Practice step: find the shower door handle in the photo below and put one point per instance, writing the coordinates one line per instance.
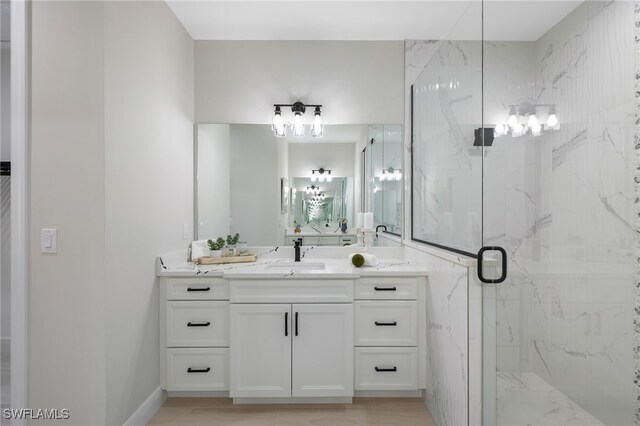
(503, 274)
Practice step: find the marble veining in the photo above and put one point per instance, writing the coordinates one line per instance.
(636, 320)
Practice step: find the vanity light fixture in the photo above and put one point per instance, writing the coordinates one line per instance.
(297, 125)
(320, 176)
(390, 174)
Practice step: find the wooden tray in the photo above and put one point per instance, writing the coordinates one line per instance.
(208, 260)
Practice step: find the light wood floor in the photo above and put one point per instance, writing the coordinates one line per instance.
(363, 411)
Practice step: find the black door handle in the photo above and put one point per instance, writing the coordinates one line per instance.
(391, 324)
(503, 275)
(296, 323)
(198, 324)
(386, 369)
(286, 323)
(384, 288)
(198, 370)
(199, 289)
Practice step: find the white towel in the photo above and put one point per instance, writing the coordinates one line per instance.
(198, 249)
(369, 259)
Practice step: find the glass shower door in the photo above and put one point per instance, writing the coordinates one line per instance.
(558, 191)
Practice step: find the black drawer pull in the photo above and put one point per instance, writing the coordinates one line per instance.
(391, 324)
(384, 288)
(198, 370)
(199, 289)
(386, 369)
(198, 324)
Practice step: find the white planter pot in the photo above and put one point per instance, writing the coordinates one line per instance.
(215, 253)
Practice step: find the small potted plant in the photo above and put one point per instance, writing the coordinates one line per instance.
(231, 244)
(215, 247)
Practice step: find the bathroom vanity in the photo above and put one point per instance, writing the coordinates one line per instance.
(276, 330)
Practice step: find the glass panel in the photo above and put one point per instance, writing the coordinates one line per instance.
(446, 164)
(558, 196)
(386, 163)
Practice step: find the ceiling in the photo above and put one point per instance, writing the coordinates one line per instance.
(369, 20)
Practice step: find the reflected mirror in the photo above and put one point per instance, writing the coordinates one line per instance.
(251, 182)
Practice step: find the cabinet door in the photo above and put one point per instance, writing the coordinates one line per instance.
(260, 350)
(322, 350)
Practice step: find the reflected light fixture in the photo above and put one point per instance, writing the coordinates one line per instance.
(320, 176)
(313, 189)
(390, 174)
(297, 123)
(523, 120)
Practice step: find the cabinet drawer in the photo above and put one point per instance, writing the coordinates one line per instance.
(387, 323)
(197, 369)
(387, 288)
(197, 289)
(197, 323)
(386, 369)
(348, 240)
(292, 291)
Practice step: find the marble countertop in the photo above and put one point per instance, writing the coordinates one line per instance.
(278, 268)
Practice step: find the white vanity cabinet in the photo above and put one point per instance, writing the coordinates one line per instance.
(297, 350)
(291, 338)
(305, 337)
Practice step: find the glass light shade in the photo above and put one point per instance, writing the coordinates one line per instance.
(398, 175)
(536, 130)
(383, 176)
(278, 127)
(512, 121)
(552, 121)
(316, 129)
(297, 126)
(329, 177)
(500, 130)
(314, 176)
(518, 130)
(533, 121)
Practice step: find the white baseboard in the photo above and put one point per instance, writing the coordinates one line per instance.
(147, 409)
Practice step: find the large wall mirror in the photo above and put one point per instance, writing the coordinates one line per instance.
(251, 182)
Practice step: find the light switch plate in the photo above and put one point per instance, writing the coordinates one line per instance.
(49, 240)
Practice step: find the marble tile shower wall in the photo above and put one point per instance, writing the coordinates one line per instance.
(561, 204)
(578, 303)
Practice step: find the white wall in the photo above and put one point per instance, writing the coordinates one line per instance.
(337, 157)
(111, 168)
(149, 112)
(255, 185)
(5, 155)
(66, 341)
(356, 82)
(214, 180)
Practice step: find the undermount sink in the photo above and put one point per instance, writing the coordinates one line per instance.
(301, 266)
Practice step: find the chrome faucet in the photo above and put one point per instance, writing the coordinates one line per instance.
(296, 246)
